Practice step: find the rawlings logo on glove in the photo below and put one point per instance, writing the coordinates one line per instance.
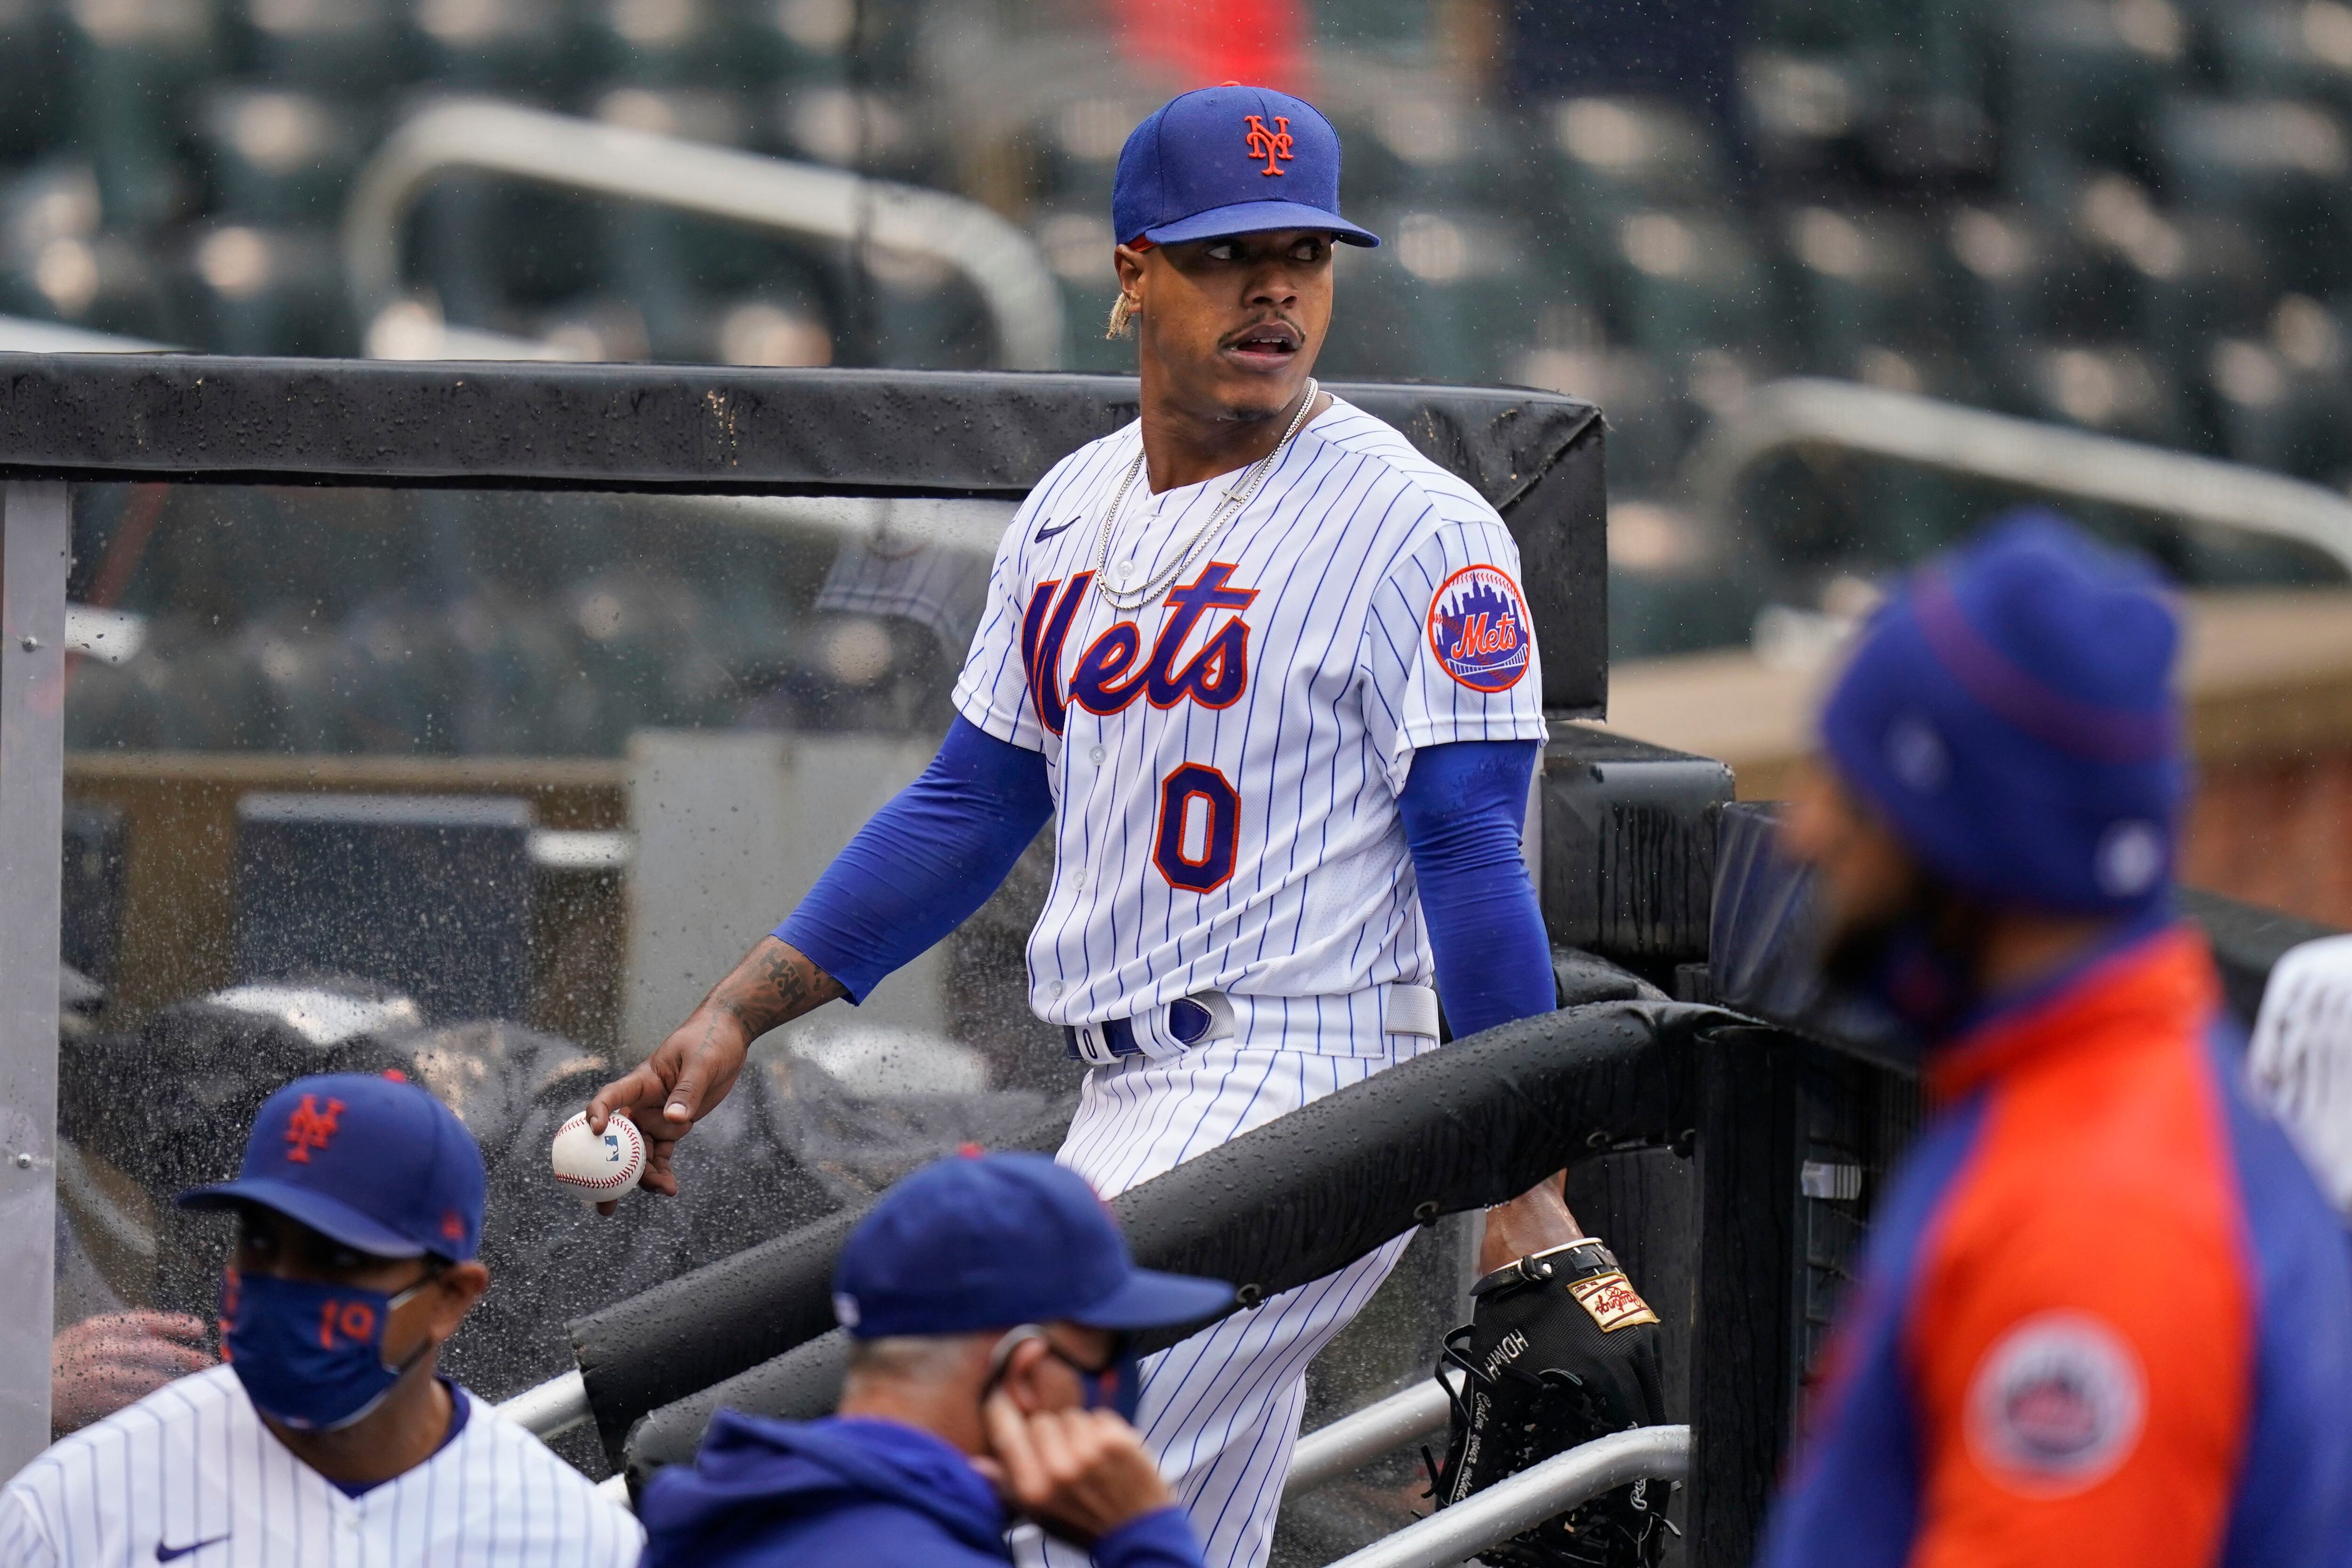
(1612, 1301)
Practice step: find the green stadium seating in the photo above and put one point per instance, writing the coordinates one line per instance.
(274, 155)
(525, 48)
(31, 45)
(2086, 81)
(1859, 279)
(260, 290)
(1686, 279)
(2277, 167)
(354, 51)
(2286, 48)
(134, 67)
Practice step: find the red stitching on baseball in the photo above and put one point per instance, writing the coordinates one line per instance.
(600, 1183)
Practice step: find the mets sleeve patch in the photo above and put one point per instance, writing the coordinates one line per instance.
(2056, 1405)
(1478, 628)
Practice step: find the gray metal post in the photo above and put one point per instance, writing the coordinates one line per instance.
(36, 541)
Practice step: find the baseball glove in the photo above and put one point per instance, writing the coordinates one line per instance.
(1559, 1349)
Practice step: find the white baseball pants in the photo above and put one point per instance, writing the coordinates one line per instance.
(1221, 1410)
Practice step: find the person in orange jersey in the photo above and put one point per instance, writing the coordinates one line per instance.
(2104, 1316)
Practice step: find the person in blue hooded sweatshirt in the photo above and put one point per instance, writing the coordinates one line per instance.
(992, 1306)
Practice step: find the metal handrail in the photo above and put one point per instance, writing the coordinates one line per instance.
(1524, 1501)
(1003, 264)
(1488, 1519)
(556, 1406)
(1378, 1428)
(560, 1403)
(2049, 459)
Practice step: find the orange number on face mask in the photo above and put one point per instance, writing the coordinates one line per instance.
(354, 1320)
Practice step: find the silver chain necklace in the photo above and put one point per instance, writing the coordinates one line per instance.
(1130, 596)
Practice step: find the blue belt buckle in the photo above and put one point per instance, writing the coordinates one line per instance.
(1188, 1021)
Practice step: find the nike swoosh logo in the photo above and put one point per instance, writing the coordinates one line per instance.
(1046, 534)
(173, 1553)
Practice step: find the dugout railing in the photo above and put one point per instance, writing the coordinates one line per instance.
(1847, 419)
(427, 715)
(481, 137)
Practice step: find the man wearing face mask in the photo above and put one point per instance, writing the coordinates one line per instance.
(2104, 1315)
(991, 1305)
(329, 1438)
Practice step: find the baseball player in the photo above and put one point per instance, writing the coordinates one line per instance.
(1269, 673)
(329, 1438)
(2104, 1315)
(2300, 1058)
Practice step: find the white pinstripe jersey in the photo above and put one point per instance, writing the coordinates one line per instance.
(1225, 761)
(190, 1475)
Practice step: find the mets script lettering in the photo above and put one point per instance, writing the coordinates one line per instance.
(1113, 672)
(1487, 631)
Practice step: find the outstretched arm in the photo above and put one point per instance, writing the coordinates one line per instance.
(913, 874)
(1465, 806)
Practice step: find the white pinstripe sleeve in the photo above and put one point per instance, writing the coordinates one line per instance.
(993, 692)
(1449, 649)
(24, 1542)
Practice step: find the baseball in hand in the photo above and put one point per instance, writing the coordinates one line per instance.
(598, 1168)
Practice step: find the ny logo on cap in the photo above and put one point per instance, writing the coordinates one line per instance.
(309, 1128)
(1267, 144)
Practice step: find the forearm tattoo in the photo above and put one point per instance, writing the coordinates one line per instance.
(774, 984)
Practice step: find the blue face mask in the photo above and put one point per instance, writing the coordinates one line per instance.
(1117, 1387)
(310, 1354)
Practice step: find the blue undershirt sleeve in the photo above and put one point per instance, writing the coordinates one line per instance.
(1465, 806)
(924, 862)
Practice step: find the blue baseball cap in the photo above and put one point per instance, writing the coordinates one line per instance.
(989, 1241)
(2011, 712)
(374, 1162)
(1230, 160)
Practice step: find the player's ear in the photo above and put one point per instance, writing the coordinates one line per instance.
(1021, 1381)
(458, 1287)
(1130, 265)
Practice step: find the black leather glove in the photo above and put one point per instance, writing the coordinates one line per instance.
(1559, 1349)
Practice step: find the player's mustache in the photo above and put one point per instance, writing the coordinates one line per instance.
(1276, 325)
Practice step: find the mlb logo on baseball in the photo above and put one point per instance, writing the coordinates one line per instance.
(599, 1166)
(1478, 628)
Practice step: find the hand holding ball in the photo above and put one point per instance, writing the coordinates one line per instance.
(598, 1168)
